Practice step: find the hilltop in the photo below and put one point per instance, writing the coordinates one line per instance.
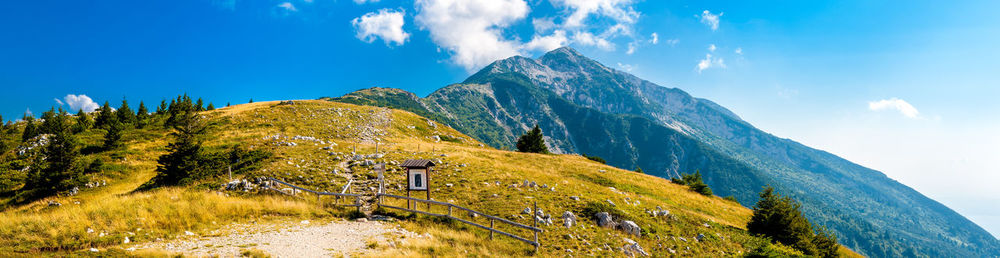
(321, 145)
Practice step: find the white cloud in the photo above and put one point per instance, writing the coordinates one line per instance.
(472, 29)
(588, 39)
(619, 10)
(711, 47)
(631, 48)
(672, 42)
(365, 1)
(77, 102)
(547, 43)
(384, 24)
(543, 25)
(896, 104)
(288, 6)
(712, 20)
(57, 101)
(738, 51)
(626, 67)
(654, 38)
(710, 62)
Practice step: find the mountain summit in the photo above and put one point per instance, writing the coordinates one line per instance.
(587, 108)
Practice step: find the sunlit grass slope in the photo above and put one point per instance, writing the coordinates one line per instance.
(323, 158)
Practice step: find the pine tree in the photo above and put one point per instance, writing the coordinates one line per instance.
(59, 171)
(532, 141)
(125, 114)
(184, 157)
(113, 138)
(162, 108)
(251, 100)
(141, 116)
(30, 130)
(199, 105)
(83, 122)
(639, 170)
(47, 122)
(826, 243)
(780, 218)
(227, 104)
(3, 138)
(210, 106)
(104, 116)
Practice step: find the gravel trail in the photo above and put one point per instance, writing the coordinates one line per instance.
(288, 239)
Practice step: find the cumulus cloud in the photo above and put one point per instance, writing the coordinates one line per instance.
(385, 24)
(710, 62)
(626, 67)
(471, 30)
(672, 42)
(631, 48)
(653, 38)
(619, 10)
(288, 6)
(712, 20)
(738, 51)
(547, 43)
(711, 47)
(77, 102)
(588, 39)
(543, 25)
(897, 104)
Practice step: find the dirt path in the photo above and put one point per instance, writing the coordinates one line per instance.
(289, 239)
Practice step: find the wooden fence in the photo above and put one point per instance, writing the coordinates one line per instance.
(342, 194)
(451, 207)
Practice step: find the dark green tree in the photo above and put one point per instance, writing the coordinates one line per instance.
(59, 171)
(113, 138)
(199, 106)
(141, 116)
(210, 106)
(227, 104)
(639, 170)
(162, 108)
(251, 100)
(532, 141)
(48, 122)
(779, 217)
(184, 153)
(104, 116)
(125, 114)
(826, 243)
(694, 182)
(30, 129)
(595, 158)
(83, 122)
(3, 138)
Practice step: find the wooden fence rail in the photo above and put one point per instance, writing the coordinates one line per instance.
(357, 197)
(449, 215)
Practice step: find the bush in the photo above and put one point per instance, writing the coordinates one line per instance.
(595, 158)
(694, 182)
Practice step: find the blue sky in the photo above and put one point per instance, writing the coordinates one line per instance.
(907, 88)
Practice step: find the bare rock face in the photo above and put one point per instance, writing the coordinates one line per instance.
(632, 248)
(604, 220)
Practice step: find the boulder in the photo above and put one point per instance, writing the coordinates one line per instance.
(630, 227)
(604, 220)
(569, 219)
(632, 248)
(700, 237)
(526, 211)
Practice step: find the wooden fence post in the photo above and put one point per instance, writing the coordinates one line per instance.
(449, 210)
(535, 224)
(491, 227)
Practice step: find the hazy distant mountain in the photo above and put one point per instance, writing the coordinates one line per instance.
(585, 107)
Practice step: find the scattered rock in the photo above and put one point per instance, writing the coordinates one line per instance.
(361, 220)
(305, 222)
(612, 203)
(630, 227)
(189, 233)
(449, 185)
(54, 203)
(94, 250)
(632, 248)
(700, 237)
(569, 219)
(126, 241)
(526, 211)
(604, 220)
(575, 198)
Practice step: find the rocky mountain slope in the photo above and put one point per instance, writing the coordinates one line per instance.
(585, 107)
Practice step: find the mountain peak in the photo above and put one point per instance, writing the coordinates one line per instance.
(565, 51)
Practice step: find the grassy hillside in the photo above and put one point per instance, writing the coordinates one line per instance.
(321, 158)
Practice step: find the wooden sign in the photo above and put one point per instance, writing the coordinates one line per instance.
(418, 176)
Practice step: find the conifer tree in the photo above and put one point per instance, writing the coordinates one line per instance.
(532, 141)
(251, 100)
(826, 243)
(104, 116)
(210, 106)
(125, 114)
(779, 217)
(83, 122)
(113, 138)
(162, 108)
(59, 171)
(47, 121)
(141, 116)
(227, 104)
(184, 153)
(30, 130)
(199, 106)
(3, 138)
